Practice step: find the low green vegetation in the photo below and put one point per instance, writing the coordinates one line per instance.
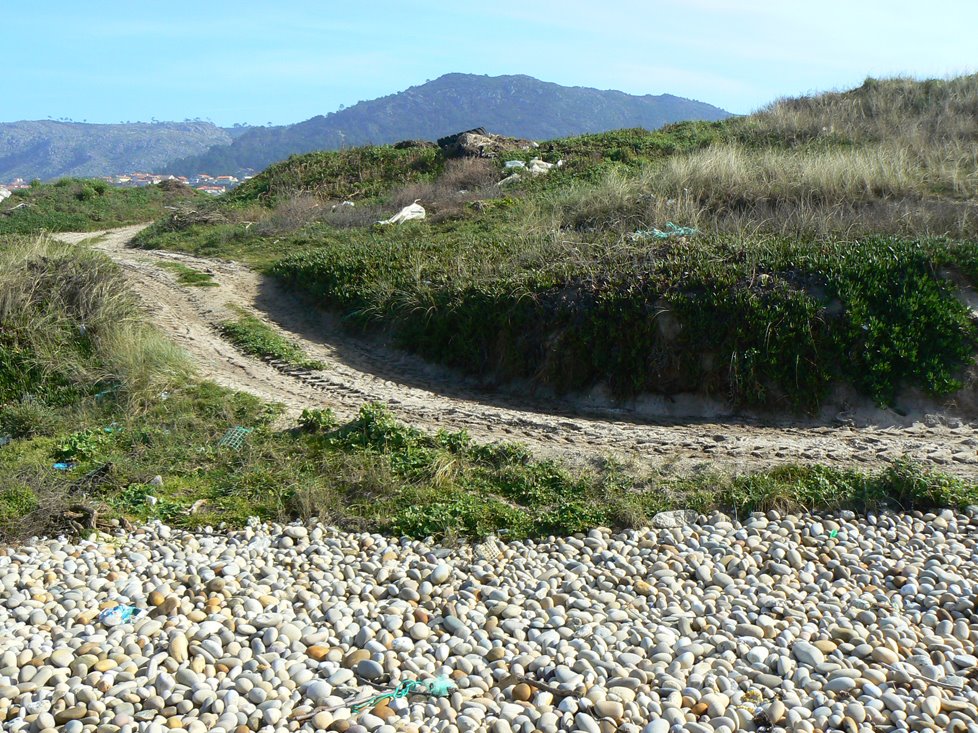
(80, 205)
(257, 338)
(189, 276)
(374, 473)
(97, 405)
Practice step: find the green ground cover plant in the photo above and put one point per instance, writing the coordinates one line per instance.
(769, 321)
(189, 276)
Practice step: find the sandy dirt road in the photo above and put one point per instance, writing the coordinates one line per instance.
(675, 435)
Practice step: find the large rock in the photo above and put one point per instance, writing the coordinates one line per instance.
(478, 143)
(673, 519)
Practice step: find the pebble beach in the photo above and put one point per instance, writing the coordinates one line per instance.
(701, 624)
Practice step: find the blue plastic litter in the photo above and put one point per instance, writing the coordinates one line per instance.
(106, 392)
(64, 465)
(119, 615)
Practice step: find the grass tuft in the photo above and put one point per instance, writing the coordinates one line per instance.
(189, 276)
(255, 337)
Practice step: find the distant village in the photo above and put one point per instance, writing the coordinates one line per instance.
(213, 185)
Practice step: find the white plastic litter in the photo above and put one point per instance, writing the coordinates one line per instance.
(514, 164)
(408, 213)
(510, 179)
(348, 203)
(4, 193)
(538, 166)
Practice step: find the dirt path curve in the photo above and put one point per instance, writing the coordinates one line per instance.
(362, 370)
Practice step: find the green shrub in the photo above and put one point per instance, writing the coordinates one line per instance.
(902, 324)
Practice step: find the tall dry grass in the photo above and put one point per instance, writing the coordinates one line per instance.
(902, 109)
(894, 156)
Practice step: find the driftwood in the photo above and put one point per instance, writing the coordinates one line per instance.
(81, 517)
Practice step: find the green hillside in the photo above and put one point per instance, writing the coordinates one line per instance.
(78, 205)
(831, 233)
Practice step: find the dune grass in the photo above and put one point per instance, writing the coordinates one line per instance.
(70, 328)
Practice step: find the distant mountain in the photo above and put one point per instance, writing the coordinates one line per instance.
(47, 149)
(519, 106)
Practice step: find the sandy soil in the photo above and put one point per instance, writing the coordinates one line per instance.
(679, 434)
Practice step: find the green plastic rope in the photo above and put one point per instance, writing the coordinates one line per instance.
(670, 231)
(440, 687)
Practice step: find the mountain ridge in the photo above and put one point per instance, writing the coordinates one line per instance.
(47, 149)
(514, 105)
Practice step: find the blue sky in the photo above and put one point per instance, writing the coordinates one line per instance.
(285, 61)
